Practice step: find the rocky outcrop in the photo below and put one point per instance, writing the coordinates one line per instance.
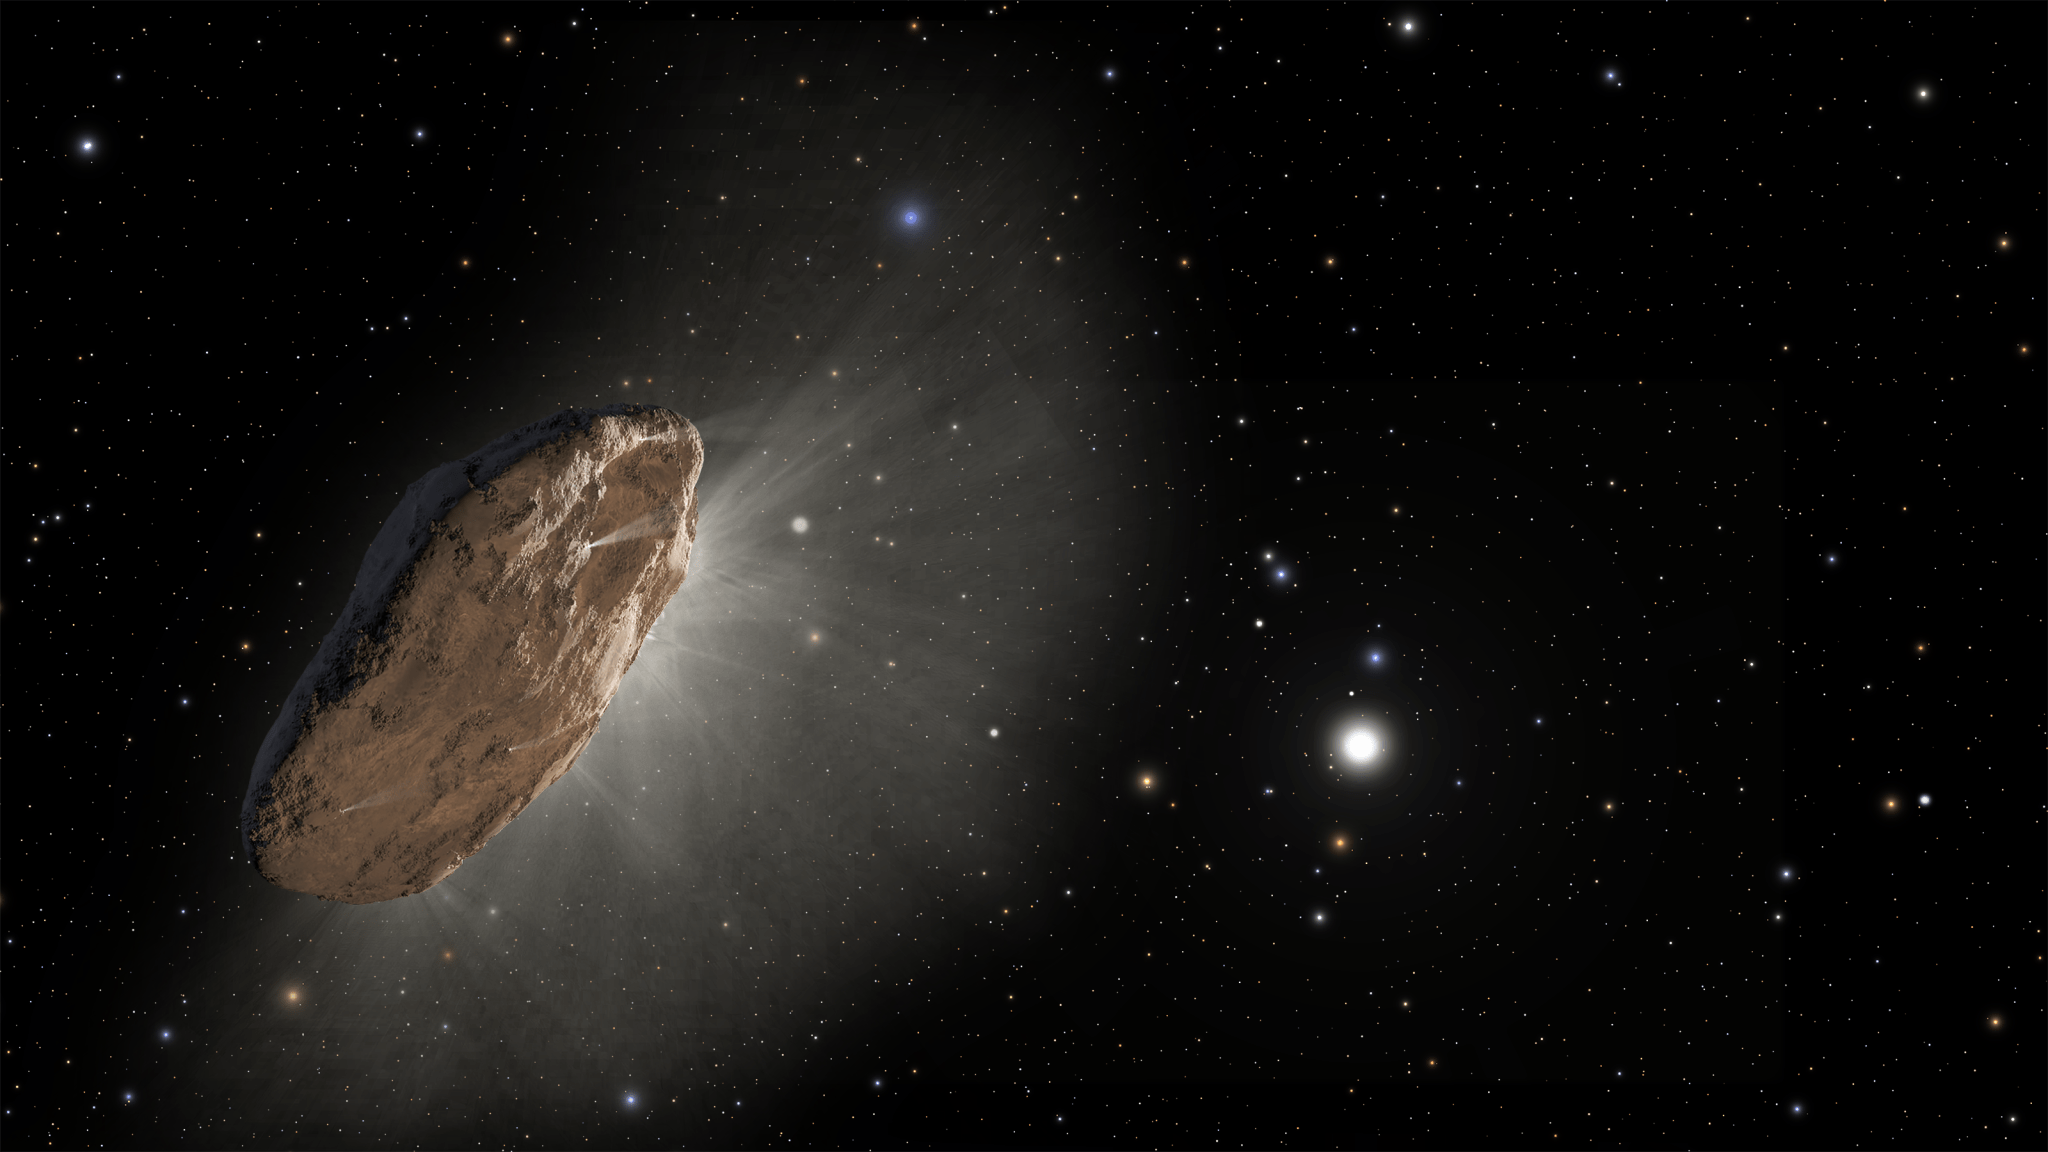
(492, 620)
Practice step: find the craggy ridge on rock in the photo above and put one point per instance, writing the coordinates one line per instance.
(493, 618)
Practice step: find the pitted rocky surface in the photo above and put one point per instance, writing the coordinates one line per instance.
(492, 620)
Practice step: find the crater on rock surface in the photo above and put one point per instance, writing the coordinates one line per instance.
(492, 620)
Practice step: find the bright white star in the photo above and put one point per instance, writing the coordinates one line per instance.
(1361, 746)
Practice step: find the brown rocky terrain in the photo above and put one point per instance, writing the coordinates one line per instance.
(492, 620)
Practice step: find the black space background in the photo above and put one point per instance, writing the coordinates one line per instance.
(1697, 417)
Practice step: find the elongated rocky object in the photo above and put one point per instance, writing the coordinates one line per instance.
(492, 621)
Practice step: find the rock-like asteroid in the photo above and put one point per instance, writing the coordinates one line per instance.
(492, 620)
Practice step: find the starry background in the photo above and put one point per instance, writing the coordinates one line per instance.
(1620, 412)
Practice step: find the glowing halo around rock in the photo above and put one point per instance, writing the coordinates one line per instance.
(1361, 746)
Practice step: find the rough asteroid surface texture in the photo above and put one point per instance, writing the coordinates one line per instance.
(492, 620)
